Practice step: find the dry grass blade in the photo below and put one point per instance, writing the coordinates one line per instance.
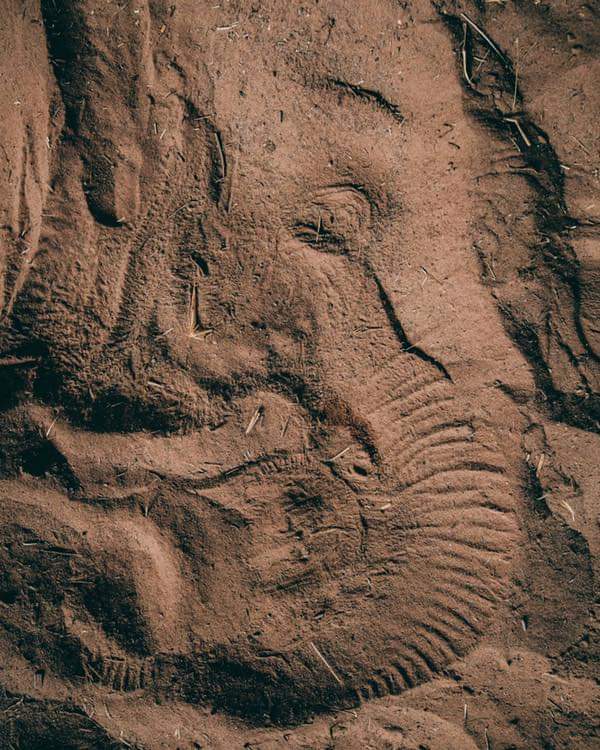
(49, 430)
(519, 127)
(484, 36)
(260, 410)
(569, 508)
(326, 663)
(338, 455)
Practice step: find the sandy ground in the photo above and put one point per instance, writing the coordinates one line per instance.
(299, 339)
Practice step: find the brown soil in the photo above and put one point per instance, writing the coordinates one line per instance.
(299, 374)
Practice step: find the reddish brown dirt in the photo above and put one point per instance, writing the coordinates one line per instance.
(299, 373)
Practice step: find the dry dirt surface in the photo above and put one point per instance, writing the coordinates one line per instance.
(299, 374)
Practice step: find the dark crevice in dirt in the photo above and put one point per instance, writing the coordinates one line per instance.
(99, 180)
(373, 97)
(318, 237)
(132, 405)
(219, 165)
(535, 492)
(322, 405)
(253, 692)
(15, 382)
(43, 460)
(553, 221)
(51, 725)
(65, 29)
(401, 335)
(559, 406)
(27, 449)
(70, 53)
(219, 172)
(571, 356)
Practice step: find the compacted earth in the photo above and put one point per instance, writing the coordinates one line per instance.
(299, 374)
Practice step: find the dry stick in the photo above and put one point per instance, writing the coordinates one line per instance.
(255, 417)
(481, 60)
(49, 430)
(187, 204)
(326, 663)
(484, 36)
(203, 333)
(231, 183)
(428, 273)
(154, 384)
(519, 127)
(286, 425)
(524, 625)
(540, 464)
(569, 508)
(464, 55)
(338, 455)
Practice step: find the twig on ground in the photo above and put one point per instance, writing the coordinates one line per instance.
(519, 127)
(326, 663)
(484, 36)
(338, 455)
(259, 412)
